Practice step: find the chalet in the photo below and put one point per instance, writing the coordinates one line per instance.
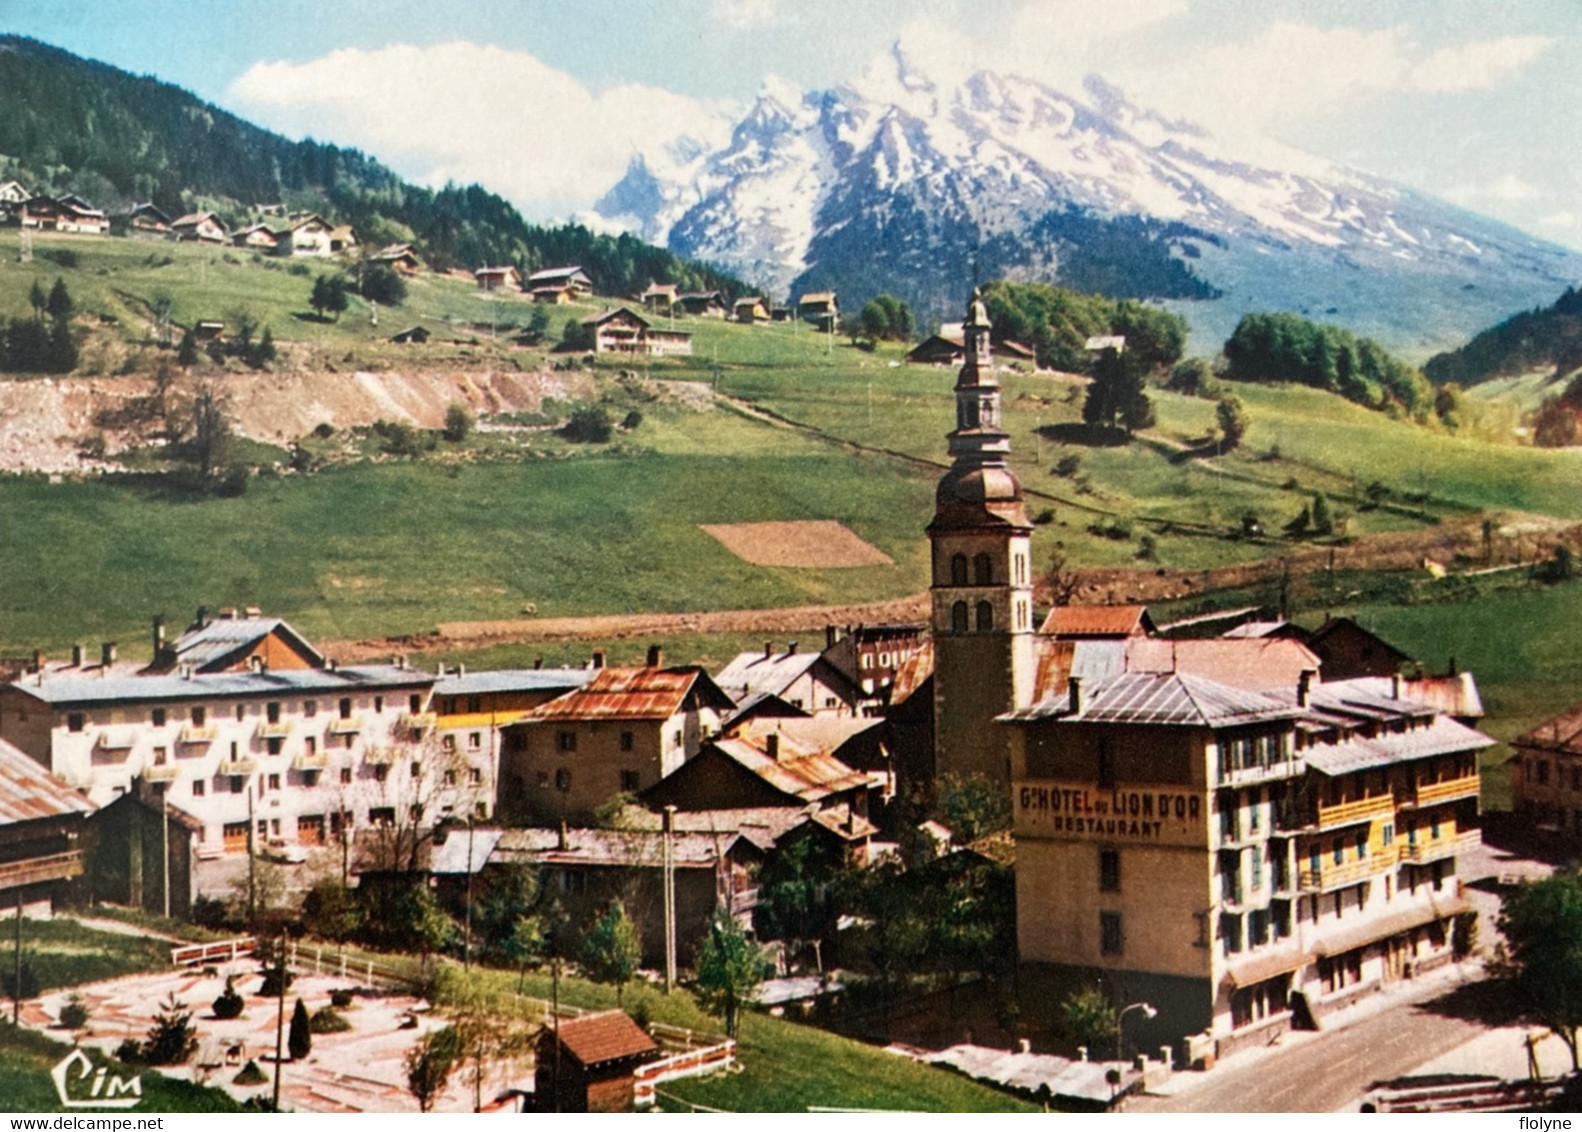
(1098, 343)
(237, 640)
(418, 335)
(781, 313)
(201, 227)
(945, 349)
(498, 278)
(659, 297)
(749, 310)
(131, 859)
(308, 235)
(12, 192)
(256, 236)
(1347, 649)
(586, 1064)
(621, 732)
(143, 221)
(584, 869)
(343, 240)
(764, 766)
(819, 308)
(705, 304)
(620, 331)
(1546, 776)
(399, 257)
(41, 834)
(572, 278)
(556, 296)
(870, 655)
(69, 213)
(208, 329)
(803, 679)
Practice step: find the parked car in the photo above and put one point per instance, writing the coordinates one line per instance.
(285, 852)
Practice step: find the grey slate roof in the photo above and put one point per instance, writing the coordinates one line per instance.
(512, 680)
(1166, 699)
(224, 636)
(60, 691)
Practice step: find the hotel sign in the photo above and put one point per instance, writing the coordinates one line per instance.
(1077, 811)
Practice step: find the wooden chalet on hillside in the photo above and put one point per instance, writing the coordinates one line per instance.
(586, 1064)
(621, 331)
(41, 834)
(703, 304)
(571, 281)
(505, 278)
(69, 213)
(399, 257)
(200, 227)
(144, 221)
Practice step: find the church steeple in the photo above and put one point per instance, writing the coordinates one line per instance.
(982, 575)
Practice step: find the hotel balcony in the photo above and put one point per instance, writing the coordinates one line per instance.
(196, 733)
(244, 765)
(1256, 775)
(1329, 877)
(351, 725)
(1427, 850)
(274, 730)
(165, 772)
(1379, 808)
(117, 739)
(1433, 793)
(33, 870)
(320, 761)
(418, 724)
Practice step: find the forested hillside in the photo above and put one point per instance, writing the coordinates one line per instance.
(1057, 323)
(1536, 339)
(73, 125)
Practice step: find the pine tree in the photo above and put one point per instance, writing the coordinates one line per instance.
(59, 304)
(187, 353)
(1323, 521)
(300, 1040)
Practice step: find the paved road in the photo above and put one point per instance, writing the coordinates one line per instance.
(1327, 1071)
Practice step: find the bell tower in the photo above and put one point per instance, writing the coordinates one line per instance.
(982, 586)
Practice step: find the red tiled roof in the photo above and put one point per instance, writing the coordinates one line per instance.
(628, 693)
(31, 792)
(609, 1035)
(1097, 621)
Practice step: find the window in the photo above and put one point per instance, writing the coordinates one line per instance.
(417, 769)
(475, 776)
(1313, 860)
(1338, 851)
(379, 704)
(866, 661)
(159, 717)
(347, 740)
(958, 617)
(381, 816)
(272, 744)
(1230, 931)
(474, 704)
(414, 703)
(1109, 870)
(161, 754)
(1433, 828)
(480, 809)
(199, 716)
(346, 707)
(543, 780)
(346, 776)
(310, 746)
(448, 742)
(241, 712)
(76, 721)
(985, 617)
(272, 712)
(475, 740)
(631, 782)
(1254, 811)
(983, 570)
(1109, 933)
(1021, 569)
(310, 708)
(627, 741)
(958, 570)
(274, 782)
(566, 740)
(381, 771)
(1362, 844)
(1255, 868)
(198, 788)
(563, 779)
(450, 778)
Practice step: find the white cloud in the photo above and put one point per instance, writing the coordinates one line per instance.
(470, 112)
(1507, 188)
(743, 15)
(1477, 66)
(1562, 223)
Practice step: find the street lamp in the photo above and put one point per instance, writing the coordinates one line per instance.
(1148, 1012)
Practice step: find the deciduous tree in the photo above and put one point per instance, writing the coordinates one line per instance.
(611, 950)
(730, 966)
(1542, 926)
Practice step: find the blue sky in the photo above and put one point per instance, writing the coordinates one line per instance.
(1474, 100)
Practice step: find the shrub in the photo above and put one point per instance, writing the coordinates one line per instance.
(1069, 465)
(632, 419)
(173, 1037)
(250, 1075)
(74, 1015)
(324, 431)
(459, 422)
(328, 1021)
(25, 987)
(340, 999)
(589, 424)
(270, 987)
(1044, 517)
(229, 1004)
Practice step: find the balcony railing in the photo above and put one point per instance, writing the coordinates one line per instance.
(164, 772)
(1432, 793)
(1253, 775)
(274, 730)
(319, 761)
(744, 900)
(351, 725)
(1429, 849)
(1330, 876)
(116, 739)
(243, 765)
(418, 724)
(199, 733)
(1354, 813)
(54, 866)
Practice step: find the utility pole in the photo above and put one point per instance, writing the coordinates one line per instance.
(252, 859)
(669, 885)
(280, 1012)
(164, 843)
(554, 1015)
(16, 988)
(466, 944)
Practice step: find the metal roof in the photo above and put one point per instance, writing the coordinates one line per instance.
(1358, 752)
(1456, 694)
(1167, 699)
(809, 775)
(631, 693)
(223, 637)
(512, 680)
(1097, 621)
(1263, 664)
(31, 792)
(641, 848)
(61, 691)
(454, 853)
(758, 671)
(1562, 734)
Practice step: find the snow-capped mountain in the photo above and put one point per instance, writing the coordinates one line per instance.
(898, 182)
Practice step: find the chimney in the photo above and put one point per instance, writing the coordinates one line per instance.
(790, 648)
(107, 653)
(830, 636)
(159, 636)
(1075, 703)
(1304, 687)
(202, 619)
(38, 660)
(1395, 686)
(333, 664)
(538, 662)
(669, 824)
(1453, 671)
(598, 658)
(461, 670)
(77, 652)
(656, 656)
(772, 744)
(564, 838)
(1024, 1046)
(252, 611)
(769, 649)
(227, 613)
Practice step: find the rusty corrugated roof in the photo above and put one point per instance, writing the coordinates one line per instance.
(29, 792)
(802, 772)
(1097, 621)
(1261, 664)
(1562, 734)
(632, 693)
